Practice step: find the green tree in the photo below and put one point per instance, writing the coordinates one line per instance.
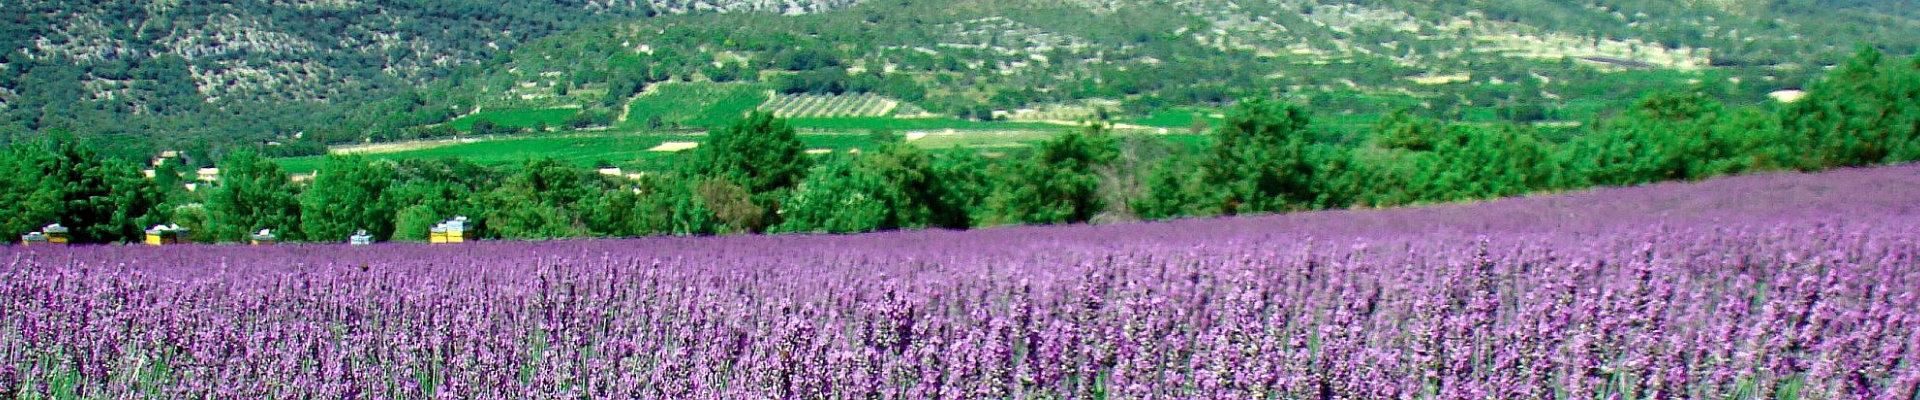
(1402, 130)
(194, 218)
(537, 201)
(414, 223)
(166, 177)
(253, 193)
(1666, 136)
(613, 213)
(1479, 163)
(1058, 184)
(762, 156)
(1173, 190)
(893, 186)
(1863, 112)
(62, 181)
(348, 194)
(1259, 160)
(968, 180)
(844, 196)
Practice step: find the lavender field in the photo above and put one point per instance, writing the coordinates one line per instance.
(1758, 287)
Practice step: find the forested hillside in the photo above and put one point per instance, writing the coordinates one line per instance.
(140, 76)
(148, 74)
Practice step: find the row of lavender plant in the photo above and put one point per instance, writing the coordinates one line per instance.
(1696, 302)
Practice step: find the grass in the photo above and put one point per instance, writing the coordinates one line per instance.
(983, 140)
(1180, 118)
(694, 104)
(906, 124)
(516, 117)
(628, 149)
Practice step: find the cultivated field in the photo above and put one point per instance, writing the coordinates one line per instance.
(904, 124)
(818, 106)
(628, 150)
(693, 104)
(640, 151)
(1773, 286)
(519, 118)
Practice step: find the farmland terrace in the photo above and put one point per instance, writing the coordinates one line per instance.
(1775, 286)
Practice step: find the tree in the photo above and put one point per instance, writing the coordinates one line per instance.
(166, 177)
(1259, 159)
(1173, 190)
(194, 218)
(892, 187)
(538, 201)
(1863, 112)
(762, 156)
(414, 223)
(673, 206)
(1058, 183)
(1666, 136)
(62, 181)
(433, 190)
(733, 206)
(968, 181)
(348, 194)
(253, 193)
(484, 127)
(843, 196)
(612, 213)
(1402, 130)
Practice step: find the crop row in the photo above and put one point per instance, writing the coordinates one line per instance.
(828, 106)
(1754, 287)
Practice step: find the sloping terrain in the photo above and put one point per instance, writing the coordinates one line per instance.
(260, 69)
(1016, 57)
(346, 69)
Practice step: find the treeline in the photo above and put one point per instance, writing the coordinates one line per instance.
(754, 176)
(1865, 112)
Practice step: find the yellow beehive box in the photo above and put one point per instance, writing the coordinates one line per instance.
(56, 234)
(450, 231)
(161, 235)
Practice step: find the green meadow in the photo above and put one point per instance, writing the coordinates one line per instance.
(516, 117)
(694, 104)
(630, 150)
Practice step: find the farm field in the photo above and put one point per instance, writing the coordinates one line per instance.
(518, 118)
(1179, 118)
(819, 106)
(906, 124)
(629, 150)
(1795, 286)
(585, 150)
(693, 104)
(623, 149)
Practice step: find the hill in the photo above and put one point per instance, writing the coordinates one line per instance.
(307, 73)
(233, 72)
